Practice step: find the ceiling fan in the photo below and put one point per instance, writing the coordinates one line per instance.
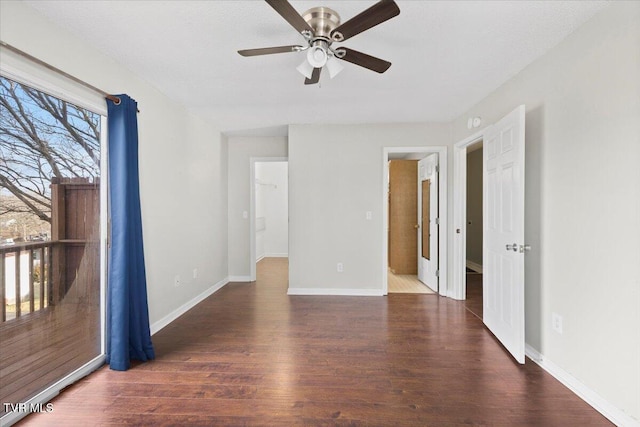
(321, 27)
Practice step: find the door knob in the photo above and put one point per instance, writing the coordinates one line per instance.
(524, 248)
(416, 226)
(513, 247)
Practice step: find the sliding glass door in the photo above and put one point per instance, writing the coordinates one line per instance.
(50, 241)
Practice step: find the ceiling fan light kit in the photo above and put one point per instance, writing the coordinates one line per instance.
(317, 55)
(334, 66)
(320, 26)
(305, 69)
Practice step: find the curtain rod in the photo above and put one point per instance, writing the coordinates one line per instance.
(113, 98)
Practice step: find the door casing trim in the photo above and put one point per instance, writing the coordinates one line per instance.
(459, 239)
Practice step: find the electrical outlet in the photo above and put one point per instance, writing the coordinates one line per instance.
(195, 273)
(340, 267)
(176, 281)
(556, 322)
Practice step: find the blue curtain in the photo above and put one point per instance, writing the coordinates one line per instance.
(128, 335)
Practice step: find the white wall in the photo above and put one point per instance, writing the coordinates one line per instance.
(583, 200)
(335, 177)
(272, 193)
(241, 149)
(183, 176)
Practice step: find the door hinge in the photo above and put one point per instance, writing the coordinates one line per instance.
(437, 221)
(437, 273)
(437, 168)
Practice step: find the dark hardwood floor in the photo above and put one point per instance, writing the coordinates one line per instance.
(251, 355)
(474, 294)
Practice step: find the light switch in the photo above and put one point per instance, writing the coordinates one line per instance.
(368, 215)
(245, 214)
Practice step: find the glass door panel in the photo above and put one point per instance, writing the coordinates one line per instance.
(50, 251)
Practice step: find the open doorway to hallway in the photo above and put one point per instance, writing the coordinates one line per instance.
(269, 210)
(474, 231)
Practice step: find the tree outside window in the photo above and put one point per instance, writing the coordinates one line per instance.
(41, 138)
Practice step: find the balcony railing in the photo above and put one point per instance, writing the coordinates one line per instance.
(26, 273)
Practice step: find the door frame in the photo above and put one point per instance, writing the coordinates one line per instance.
(23, 71)
(252, 208)
(443, 286)
(458, 262)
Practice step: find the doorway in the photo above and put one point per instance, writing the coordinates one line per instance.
(503, 308)
(404, 227)
(269, 210)
(413, 227)
(474, 230)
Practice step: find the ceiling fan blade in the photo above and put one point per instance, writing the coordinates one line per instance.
(284, 8)
(367, 61)
(376, 14)
(315, 77)
(269, 50)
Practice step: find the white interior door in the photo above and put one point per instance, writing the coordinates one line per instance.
(503, 248)
(428, 221)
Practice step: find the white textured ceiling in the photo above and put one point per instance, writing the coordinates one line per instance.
(446, 56)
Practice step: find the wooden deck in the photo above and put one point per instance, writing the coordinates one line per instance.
(39, 349)
(251, 355)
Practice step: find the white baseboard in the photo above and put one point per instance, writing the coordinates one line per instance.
(474, 266)
(612, 413)
(240, 279)
(259, 258)
(157, 326)
(276, 255)
(335, 291)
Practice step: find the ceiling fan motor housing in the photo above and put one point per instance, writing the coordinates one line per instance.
(323, 20)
